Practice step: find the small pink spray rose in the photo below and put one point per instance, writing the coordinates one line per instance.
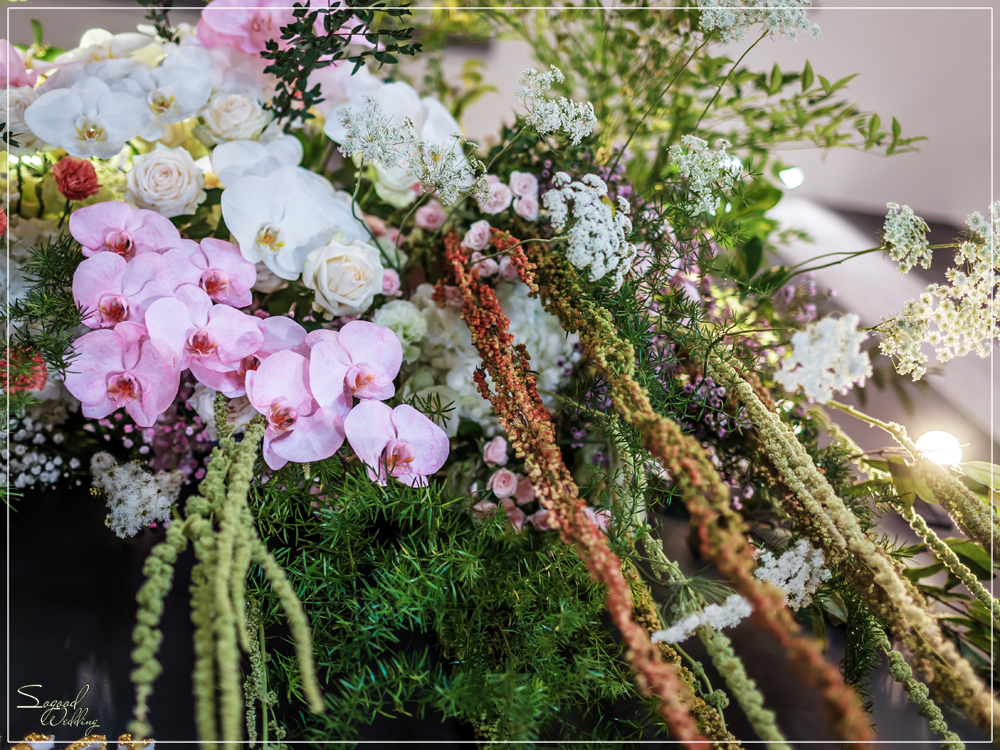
(503, 483)
(495, 452)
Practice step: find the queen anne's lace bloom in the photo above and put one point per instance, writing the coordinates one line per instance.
(799, 572)
(375, 136)
(905, 236)
(732, 18)
(955, 319)
(135, 497)
(716, 616)
(704, 169)
(597, 231)
(826, 357)
(553, 115)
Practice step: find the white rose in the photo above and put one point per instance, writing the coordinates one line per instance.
(345, 278)
(166, 181)
(239, 410)
(14, 101)
(235, 117)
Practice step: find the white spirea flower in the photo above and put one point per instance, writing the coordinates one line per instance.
(406, 321)
(732, 18)
(905, 234)
(345, 277)
(954, 318)
(705, 169)
(826, 357)
(136, 497)
(559, 115)
(715, 616)
(799, 572)
(166, 180)
(234, 117)
(597, 231)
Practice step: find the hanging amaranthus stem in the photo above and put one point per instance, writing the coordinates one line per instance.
(876, 577)
(531, 433)
(721, 530)
(222, 554)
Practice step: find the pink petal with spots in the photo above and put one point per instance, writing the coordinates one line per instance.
(281, 379)
(327, 372)
(430, 443)
(314, 438)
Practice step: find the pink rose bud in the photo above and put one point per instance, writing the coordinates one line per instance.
(478, 236)
(540, 520)
(262, 314)
(602, 517)
(431, 217)
(525, 491)
(484, 268)
(508, 271)
(453, 296)
(390, 283)
(392, 235)
(483, 509)
(375, 224)
(495, 452)
(499, 200)
(523, 184)
(527, 207)
(503, 483)
(514, 514)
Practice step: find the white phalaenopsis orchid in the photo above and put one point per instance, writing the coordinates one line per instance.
(173, 92)
(87, 119)
(238, 159)
(280, 218)
(99, 44)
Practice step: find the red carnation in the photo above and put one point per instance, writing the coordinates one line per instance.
(76, 178)
(34, 380)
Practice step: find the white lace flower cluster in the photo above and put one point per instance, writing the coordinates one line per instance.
(597, 230)
(826, 357)
(905, 234)
(733, 18)
(136, 498)
(716, 616)
(954, 318)
(559, 115)
(386, 144)
(705, 169)
(798, 572)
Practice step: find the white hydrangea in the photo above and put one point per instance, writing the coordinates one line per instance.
(406, 321)
(826, 357)
(136, 497)
(449, 358)
(716, 616)
(597, 231)
(705, 169)
(559, 115)
(732, 18)
(954, 318)
(799, 572)
(905, 236)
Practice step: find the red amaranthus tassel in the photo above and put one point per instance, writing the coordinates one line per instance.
(721, 530)
(531, 433)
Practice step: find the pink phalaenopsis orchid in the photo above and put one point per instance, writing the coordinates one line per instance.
(209, 339)
(280, 334)
(400, 443)
(122, 368)
(114, 226)
(13, 71)
(242, 25)
(298, 428)
(216, 266)
(361, 360)
(112, 290)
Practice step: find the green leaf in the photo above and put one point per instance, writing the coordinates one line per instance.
(924, 490)
(902, 480)
(897, 129)
(807, 77)
(985, 473)
(775, 85)
(916, 574)
(827, 88)
(753, 254)
(974, 557)
(877, 463)
(37, 34)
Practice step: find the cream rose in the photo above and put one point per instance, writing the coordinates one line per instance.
(166, 181)
(344, 277)
(235, 117)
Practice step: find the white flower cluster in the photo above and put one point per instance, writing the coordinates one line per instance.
(448, 359)
(826, 357)
(705, 169)
(405, 320)
(27, 464)
(732, 18)
(954, 318)
(597, 231)
(559, 115)
(799, 572)
(716, 616)
(905, 235)
(136, 498)
(408, 141)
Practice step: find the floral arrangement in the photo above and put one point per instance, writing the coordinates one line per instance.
(396, 388)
